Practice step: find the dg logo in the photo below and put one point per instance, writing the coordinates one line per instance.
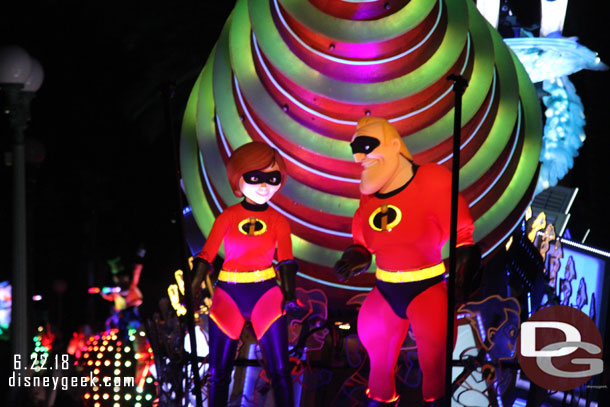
(385, 218)
(252, 226)
(560, 348)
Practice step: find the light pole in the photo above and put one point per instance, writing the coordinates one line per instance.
(20, 78)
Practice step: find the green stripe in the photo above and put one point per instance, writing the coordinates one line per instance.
(421, 78)
(351, 31)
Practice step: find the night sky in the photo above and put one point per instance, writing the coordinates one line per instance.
(101, 173)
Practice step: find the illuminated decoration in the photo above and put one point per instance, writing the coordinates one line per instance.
(538, 224)
(550, 60)
(43, 343)
(6, 300)
(174, 297)
(298, 75)
(179, 276)
(123, 370)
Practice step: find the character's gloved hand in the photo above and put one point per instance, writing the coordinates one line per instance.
(287, 271)
(356, 259)
(200, 292)
(467, 276)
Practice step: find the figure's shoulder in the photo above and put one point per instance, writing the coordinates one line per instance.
(276, 215)
(432, 172)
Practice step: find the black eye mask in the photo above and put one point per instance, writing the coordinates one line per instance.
(259, 177)
(364, 144)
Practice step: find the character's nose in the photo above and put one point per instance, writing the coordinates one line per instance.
(358, 157)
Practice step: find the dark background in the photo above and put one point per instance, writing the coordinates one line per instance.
(101, 173)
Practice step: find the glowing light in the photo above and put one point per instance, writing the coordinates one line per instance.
(179, 276)
(490, 9)
(509, 243)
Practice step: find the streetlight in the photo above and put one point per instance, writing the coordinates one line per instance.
(20, 77)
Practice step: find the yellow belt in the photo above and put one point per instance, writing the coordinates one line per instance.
(411, 275)
(254, 276)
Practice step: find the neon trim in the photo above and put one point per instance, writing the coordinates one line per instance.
(495, 181)
(480, 124)
(223, 329)
(207, 182)
(260, 335)
(392, 400)
(307, 224)
(286, 156)
(409, 276)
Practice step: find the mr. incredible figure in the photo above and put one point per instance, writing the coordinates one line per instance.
(403, 219)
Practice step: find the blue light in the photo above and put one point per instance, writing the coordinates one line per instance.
(186, 210)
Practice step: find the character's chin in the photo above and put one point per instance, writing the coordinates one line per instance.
(366, 189)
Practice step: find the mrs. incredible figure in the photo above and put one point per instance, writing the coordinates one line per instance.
(247, 288)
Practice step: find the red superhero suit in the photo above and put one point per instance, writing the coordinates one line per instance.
(412, 243)
(403, 218)
(251, 234)
(247, 288)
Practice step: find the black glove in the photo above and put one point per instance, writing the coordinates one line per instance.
(467, 276)
(199, 286)
(356, 259)
(287, 271)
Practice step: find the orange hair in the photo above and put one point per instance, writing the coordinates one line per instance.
(250, 157)
(389, 133)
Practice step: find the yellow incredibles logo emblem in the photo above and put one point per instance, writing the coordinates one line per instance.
(252, 227)
(385, 218)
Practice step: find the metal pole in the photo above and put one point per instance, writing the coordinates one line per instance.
(14, 107)
(190, 320)
(459, 85)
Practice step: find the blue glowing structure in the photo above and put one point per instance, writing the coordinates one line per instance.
(550, 60)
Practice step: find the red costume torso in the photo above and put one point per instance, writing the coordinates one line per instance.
(244, 252)
(250, 239)
(416, 240)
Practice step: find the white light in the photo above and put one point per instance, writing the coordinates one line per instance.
(552, 16)
(490, 9)
(15, 64)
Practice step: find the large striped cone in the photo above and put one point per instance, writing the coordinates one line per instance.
(298, 75)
